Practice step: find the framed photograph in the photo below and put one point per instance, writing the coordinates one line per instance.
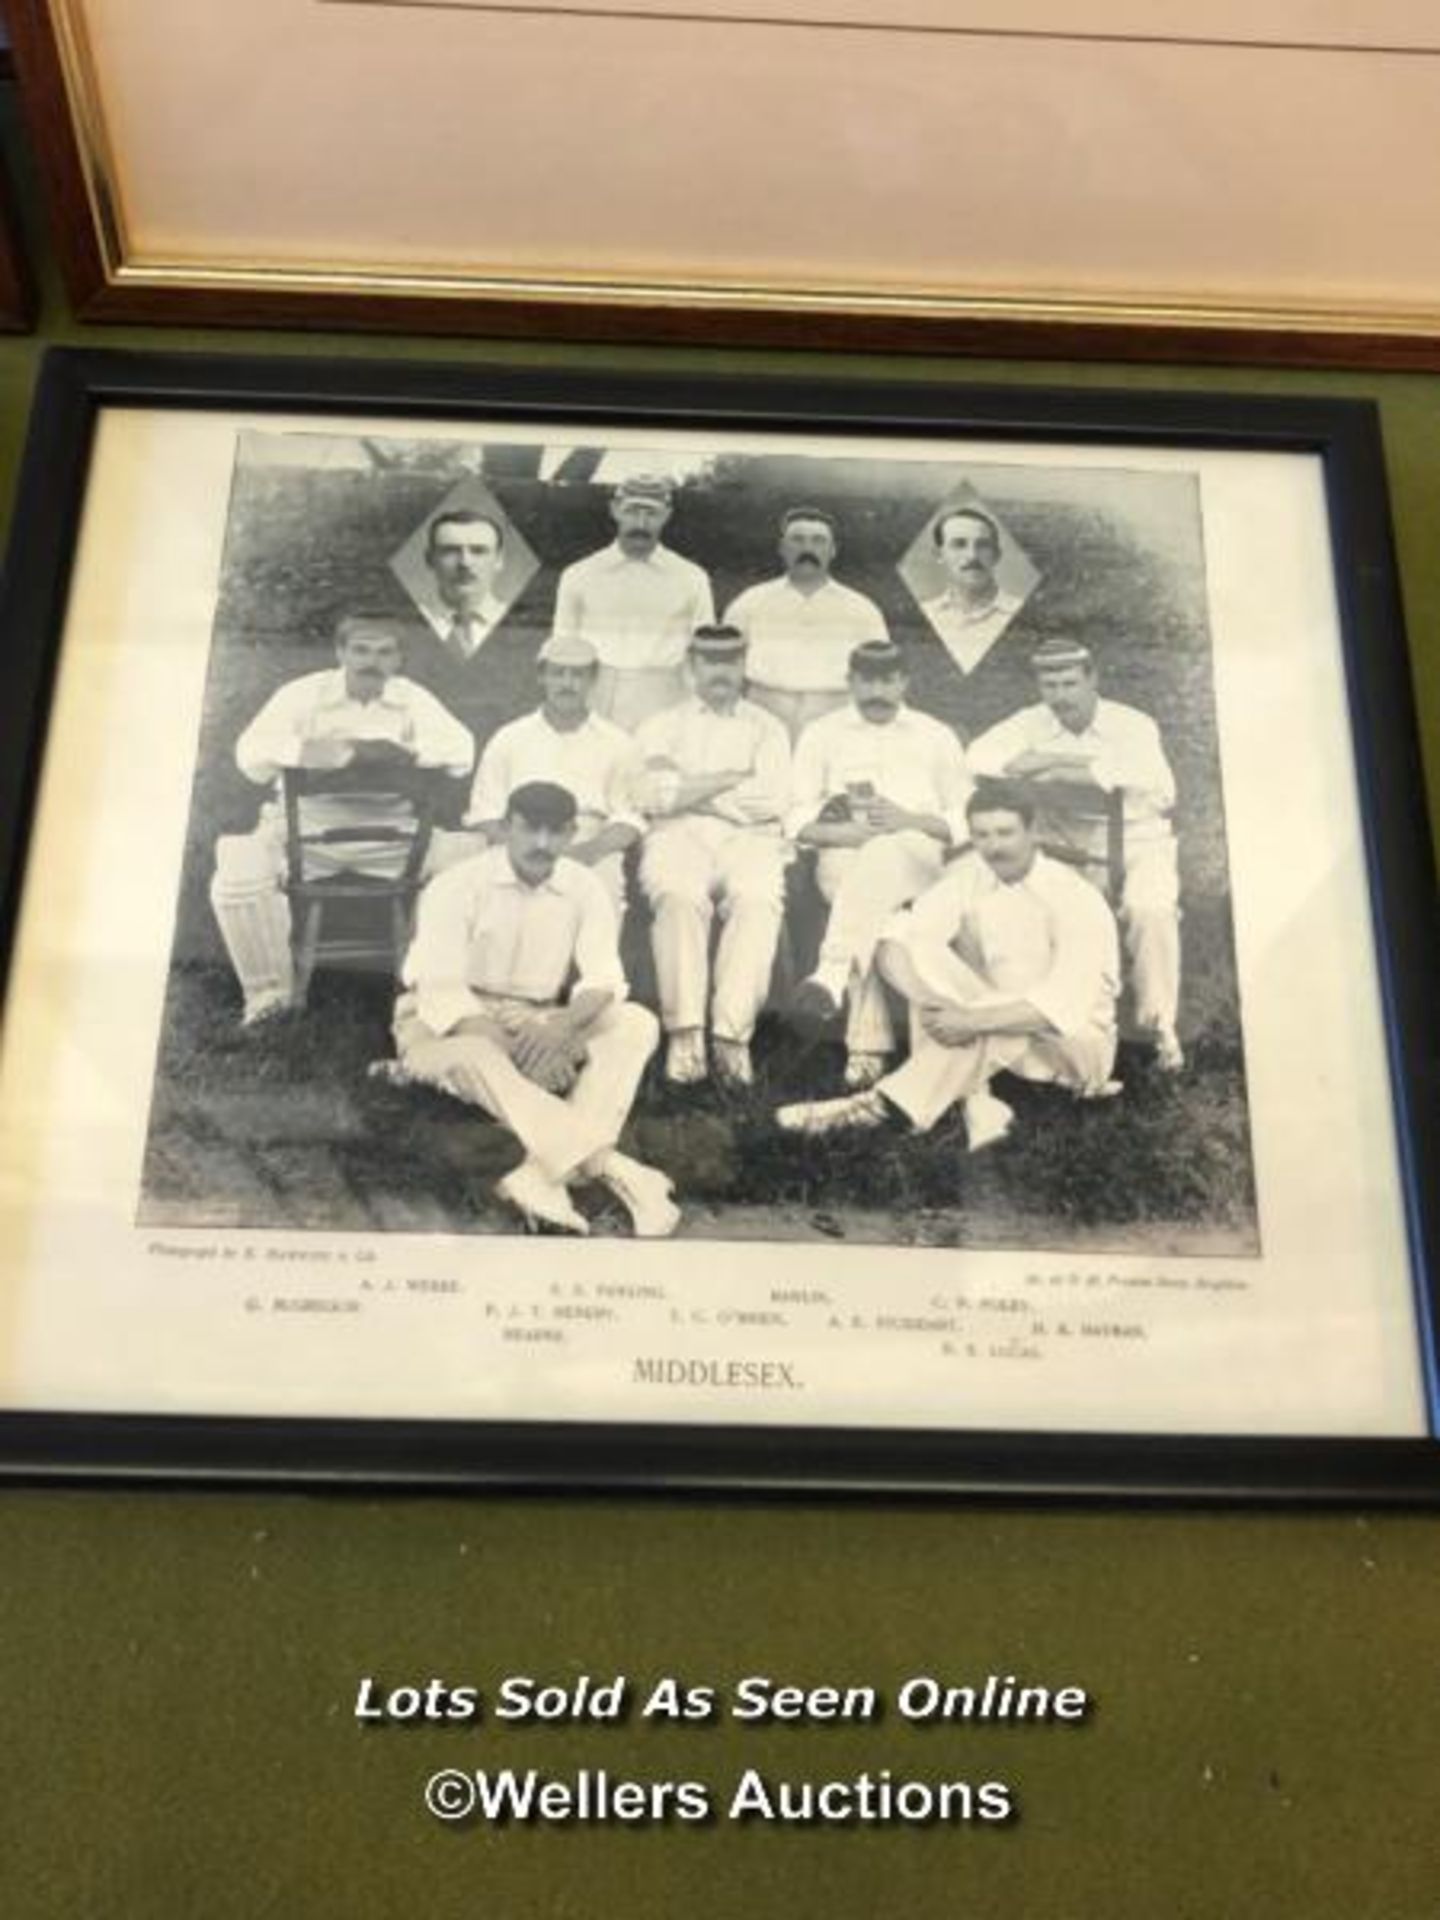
(712, 932)
(1031, 177)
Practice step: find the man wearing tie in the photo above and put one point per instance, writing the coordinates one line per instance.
(463, 550)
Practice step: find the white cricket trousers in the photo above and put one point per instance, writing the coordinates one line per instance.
(1150, 925)
(864, 886)
(253, 913)
(936, 1076)
(560, 1133)
(691, 867)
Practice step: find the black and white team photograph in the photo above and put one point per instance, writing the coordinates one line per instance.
(757, 843)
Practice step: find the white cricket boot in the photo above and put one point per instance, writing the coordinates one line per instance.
(540, 1200)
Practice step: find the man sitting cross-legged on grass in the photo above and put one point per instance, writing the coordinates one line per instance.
(879, 791)
(1010, 961)
(486, 1015)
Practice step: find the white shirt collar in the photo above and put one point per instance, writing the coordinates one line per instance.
(335, 694)
(587, 725)
(1038, 877)
(899, 719)
(1062, 732)
(829, 582)
(697, 705)
(504, 875)
(951, 603)
(658, 556)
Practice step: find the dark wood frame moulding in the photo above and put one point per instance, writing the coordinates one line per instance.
(17, 284)
(102, 289)
(17, 287)
(76, 386)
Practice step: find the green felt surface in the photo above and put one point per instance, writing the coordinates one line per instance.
(178, 1670)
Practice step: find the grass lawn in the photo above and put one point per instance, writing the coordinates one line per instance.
(283, 1129)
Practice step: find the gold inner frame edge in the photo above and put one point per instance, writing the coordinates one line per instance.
(125, 268)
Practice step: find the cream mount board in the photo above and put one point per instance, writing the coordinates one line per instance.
(1266, 171)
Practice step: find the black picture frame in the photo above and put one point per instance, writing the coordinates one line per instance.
(79, 387)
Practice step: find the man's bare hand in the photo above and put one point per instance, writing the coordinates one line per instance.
(554, 1071)
(381, 753)
(1038, 764)
(699, 789)
(885, 817)
(547, 1052)
(836, 833)
(753, 807)
(529, 1043)
(948, 1025)
(326, 755)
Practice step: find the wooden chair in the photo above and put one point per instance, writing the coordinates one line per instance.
(376, 913)
(1062, 802)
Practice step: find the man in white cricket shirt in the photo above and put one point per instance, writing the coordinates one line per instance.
(804, 626)
(973, 610)
(879, 791)
(1073, 734)
(564, 742)
(362, 712)
(637, 604)
(716, 784)
(515, 1003)
(1010, 961)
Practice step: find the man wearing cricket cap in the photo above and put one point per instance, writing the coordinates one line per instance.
(716, 783)
(804, 625)
(564, 742)
(1073, 734)
(879, 791)
(636, 603)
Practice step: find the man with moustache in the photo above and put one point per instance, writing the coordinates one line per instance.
(636, 603)
(803, 626)
(1075, 735)
(360, 713)
(879, 791)
(515, 1003)
(716, 784)
(1010, 962)
(463, 551)
(564, 742)
(974, 609)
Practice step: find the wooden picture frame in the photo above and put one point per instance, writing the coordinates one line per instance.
(17, 289)
(963, 231)
(1220, 1283)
